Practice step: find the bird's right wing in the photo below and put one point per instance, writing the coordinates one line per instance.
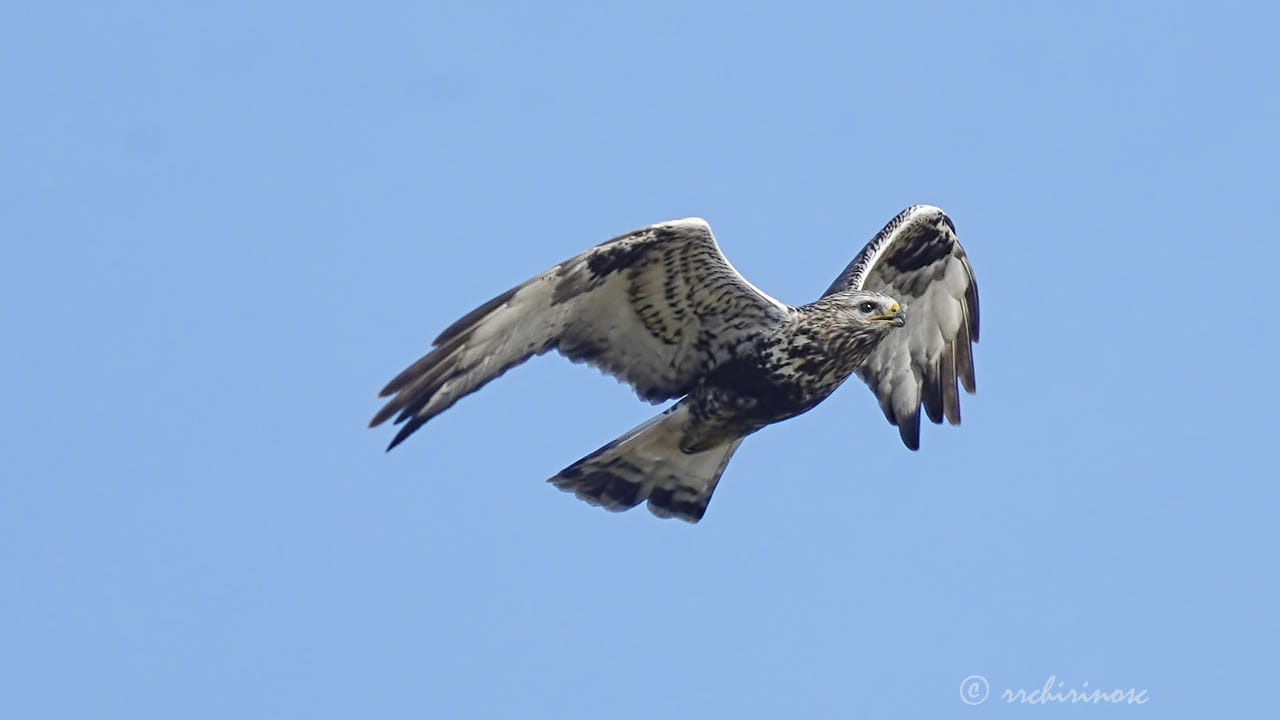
(917, 260)
(657, 308)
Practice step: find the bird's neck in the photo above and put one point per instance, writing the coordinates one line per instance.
(840, 340)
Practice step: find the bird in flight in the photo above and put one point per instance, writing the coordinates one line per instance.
(662, 309)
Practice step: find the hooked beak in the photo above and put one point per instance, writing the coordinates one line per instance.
(895, 316)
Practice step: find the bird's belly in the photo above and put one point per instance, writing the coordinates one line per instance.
(764, 398)
(786, 398)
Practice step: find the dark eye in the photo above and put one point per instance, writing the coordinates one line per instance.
(867, 307)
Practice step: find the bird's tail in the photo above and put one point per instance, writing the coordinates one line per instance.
(648, 464)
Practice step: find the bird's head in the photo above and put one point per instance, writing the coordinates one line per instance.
(874, 309)
(852, 323)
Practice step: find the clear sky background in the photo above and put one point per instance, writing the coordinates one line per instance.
(227, 225)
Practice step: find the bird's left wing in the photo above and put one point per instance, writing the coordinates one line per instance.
(656, 308)
(917, 260)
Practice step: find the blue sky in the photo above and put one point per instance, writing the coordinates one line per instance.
(226, 226)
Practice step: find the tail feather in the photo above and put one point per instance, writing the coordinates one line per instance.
(648, 464)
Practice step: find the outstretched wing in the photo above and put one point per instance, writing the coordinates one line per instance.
(656, 308)
(917, 260)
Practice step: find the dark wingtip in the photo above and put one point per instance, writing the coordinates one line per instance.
(406, 431)
(971, 301)
(386, 412)
(931, 394)
(465, 322)
(406, 376)
(950, 394)
(964, 363)
(909, 429)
